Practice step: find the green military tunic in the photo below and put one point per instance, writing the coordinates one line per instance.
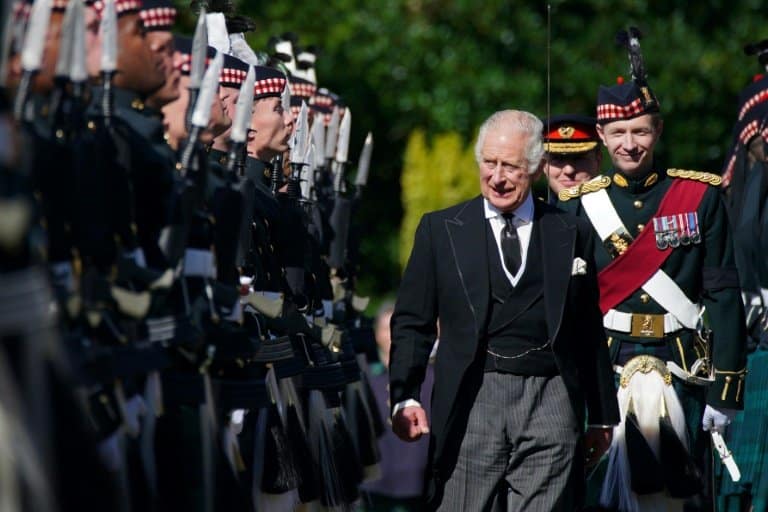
(704, 271)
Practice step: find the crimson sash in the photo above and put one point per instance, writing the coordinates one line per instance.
(631, 270)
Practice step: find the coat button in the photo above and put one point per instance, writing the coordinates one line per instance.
(640, 227)
(638, 204)
(645, 298)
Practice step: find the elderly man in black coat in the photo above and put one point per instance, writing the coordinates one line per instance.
(523, 365)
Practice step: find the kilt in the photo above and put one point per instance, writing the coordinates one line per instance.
(691, 397)
(747, 439)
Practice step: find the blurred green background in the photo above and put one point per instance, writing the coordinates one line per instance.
(422, 75)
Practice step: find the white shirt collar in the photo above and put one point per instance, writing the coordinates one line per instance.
(524, 212)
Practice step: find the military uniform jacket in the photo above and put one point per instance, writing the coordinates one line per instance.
(704, 271)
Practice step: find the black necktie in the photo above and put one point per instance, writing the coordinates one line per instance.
(510, 245)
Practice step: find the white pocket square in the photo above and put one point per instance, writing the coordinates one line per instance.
(579, 267)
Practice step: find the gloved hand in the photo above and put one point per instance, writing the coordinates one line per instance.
(717, 419)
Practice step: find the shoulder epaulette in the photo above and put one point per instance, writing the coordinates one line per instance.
(593, 185)
(704, 177)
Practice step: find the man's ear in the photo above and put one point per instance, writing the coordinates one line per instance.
(599, 129)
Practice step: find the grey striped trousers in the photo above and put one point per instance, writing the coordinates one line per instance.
(521, 447)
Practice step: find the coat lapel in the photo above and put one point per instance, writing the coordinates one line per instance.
(558, 241)
(467, 232)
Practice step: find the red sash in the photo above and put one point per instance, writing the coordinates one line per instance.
(631, 270)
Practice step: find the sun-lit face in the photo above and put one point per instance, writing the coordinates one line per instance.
(631, 142)
(567, 170)
(271, 128)
(161, 44)
(504, 178)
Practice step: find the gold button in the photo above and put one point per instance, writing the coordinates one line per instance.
(640, 227)
(179, 166)
(638, 204)
(92, 126)
(59, 133)
(728, 379)
(645, 298)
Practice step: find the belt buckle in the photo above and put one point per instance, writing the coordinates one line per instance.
(647, 326)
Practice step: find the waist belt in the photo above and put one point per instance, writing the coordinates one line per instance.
(641, 325)
(278, 349)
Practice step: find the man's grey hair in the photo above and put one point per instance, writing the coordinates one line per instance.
(519, 121)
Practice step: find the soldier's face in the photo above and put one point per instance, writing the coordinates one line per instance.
(161, 44)
(631, 142)
(566, 170)
(504, 178)
(138, 69)
(174, 115)
(228, 97)
(219, 123)
(271, 128)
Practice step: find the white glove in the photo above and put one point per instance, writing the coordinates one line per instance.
(717, 419)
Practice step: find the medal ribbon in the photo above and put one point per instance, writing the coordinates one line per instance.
(631, 270)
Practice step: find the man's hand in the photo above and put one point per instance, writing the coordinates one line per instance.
(717, 419)
(410, 423)
(597, 440)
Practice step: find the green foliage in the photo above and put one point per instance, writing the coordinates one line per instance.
(445, 66)
(439, 174)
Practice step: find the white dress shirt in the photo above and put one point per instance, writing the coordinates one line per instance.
(523, 221)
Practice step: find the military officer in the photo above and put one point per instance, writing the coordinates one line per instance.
(572, 153)
(666, 264)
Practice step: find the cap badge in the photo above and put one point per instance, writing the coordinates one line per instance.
(566, 132)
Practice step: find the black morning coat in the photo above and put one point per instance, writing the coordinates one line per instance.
(447, 277)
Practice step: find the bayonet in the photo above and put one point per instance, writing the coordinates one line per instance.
(32, 51)
(285, 97)
(79, 72)
(332, 135)
(318, 143)
(243, 112)
(299, 148)
(342, 151)
(364, 165)
(202, 109)
(64, 61)
(197, 66)
(108, 62)
(70, 65)
(342, 146)
(305, 176)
